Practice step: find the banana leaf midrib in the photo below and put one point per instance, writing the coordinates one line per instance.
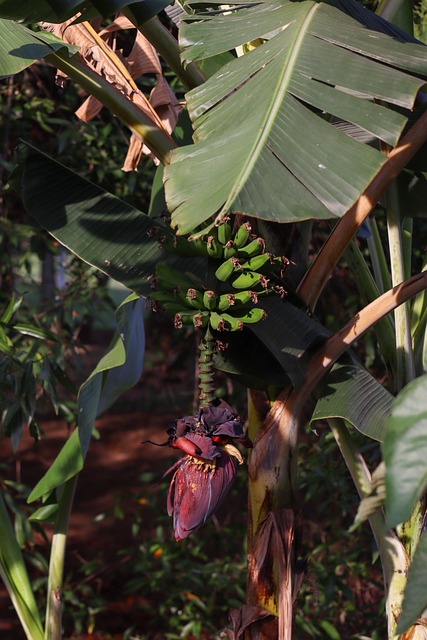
(275, 105)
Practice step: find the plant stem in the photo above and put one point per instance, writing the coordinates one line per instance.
(154, 136)
(207, 369)
(405, 369)
(388, 9)
(394, 559)
(379, 262)
(53, 629)
(384, 330)
(167, 46)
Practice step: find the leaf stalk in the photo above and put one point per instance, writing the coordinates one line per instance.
(155, 137)
(53, 629)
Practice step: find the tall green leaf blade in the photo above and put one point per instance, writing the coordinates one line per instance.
(263, 146)
(405, 451)
(101, 229)
(20, 47)
(118, 370)
(15, 578)
(415, 594)
(351, 393)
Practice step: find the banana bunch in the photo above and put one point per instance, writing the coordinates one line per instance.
(221, 244)
(241, 278)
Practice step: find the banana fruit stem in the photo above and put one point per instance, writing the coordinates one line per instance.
(206, 369)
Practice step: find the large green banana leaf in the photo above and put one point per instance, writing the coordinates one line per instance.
(101, 229)
(264, 143)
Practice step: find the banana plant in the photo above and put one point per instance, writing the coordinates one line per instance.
(301, 112)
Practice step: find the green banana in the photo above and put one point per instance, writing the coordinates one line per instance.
(214, 248)
(224, 232)
(246, 280)
(258, 262)
(249, 316)
(209, 300)
(188, 318)
(225, 301)
(200, 319)
(244, 297)
(242, 235)
(185, 247)
(230, 250)
(254, 248)
(232, 323)
(194, 298)
(216, 321)
(227, 268)
(224, 322)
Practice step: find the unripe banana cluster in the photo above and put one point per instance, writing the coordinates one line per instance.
(241, 275)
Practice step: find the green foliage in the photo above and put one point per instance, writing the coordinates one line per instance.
(343, 592)
(266, 143)
(114, 373)
(265, 171)
(405, 449)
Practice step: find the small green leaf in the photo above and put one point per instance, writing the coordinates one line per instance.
(6, 344)
(10, 309)
(415, 594)
(34, 332)
(46, 513)
(405, 451)
(330, 630)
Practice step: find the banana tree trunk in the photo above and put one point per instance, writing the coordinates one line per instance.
(274, 527)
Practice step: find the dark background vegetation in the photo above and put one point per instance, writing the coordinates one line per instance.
(126, 577)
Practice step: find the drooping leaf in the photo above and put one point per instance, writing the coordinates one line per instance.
(415, 594)
(118, 370)
(263, 145)
(249, 362)
(101, 229)
(351, 393)
(20, 47)
(405, 451)
(289, 332)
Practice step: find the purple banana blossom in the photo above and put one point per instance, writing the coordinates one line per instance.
(204, 476)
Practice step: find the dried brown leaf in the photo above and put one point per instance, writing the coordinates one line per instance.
(242, 618)
(98, 50)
